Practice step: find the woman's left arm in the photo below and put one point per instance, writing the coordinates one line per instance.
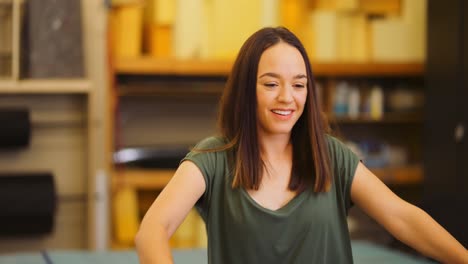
(406, 222)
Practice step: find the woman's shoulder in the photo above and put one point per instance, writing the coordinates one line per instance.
(333, 142)
(211, 142)
(337, 146)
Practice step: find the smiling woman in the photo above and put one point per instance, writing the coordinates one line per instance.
(274, 187)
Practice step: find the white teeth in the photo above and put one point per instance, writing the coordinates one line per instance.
(282, 112)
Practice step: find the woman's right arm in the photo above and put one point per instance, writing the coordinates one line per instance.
(167, 212)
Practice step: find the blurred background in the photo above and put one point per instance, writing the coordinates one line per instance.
(99, 100)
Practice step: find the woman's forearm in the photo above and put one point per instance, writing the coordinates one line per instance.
(153, 245)
(424, 234)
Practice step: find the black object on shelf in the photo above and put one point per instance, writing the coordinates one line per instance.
(161, 156)
(27, 203)
(16, 128)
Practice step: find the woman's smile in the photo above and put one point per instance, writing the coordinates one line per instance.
(283, 114)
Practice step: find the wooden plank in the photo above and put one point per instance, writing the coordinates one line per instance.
(148, 65)
(152, 66)
(45, 86)
(118, 3)
(142, 179)
(400, 175)
(368, 69)
(388, 118)
(94, 21)
(166, 91)
(381, 7)
(6, 31)
(16, 40)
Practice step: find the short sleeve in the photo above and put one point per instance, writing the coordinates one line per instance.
(344, 164)
(210, 164)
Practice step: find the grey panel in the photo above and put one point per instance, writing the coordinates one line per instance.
(52, 40)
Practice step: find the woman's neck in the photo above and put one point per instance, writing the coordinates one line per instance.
(275, 147)
(276, 153)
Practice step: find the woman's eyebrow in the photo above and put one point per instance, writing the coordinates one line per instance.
(270, 74)
(275, 75)
(300, 76)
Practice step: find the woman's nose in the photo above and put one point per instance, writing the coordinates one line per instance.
(285, 94)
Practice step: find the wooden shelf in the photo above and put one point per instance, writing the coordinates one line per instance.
(149, 66)
(142, 178)
(156, 179)
(45, 86)
(152, 66)
(388, 118)
(371, 69)
(382, 7)
(400, 175)
(183, 91)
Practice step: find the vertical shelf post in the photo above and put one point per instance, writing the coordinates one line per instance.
(16, 39)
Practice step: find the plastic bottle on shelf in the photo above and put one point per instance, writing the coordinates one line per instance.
(340, 105)
(376, 100)
(353, 102)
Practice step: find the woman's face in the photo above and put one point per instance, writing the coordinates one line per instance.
(281, 89)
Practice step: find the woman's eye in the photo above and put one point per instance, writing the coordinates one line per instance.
(299, 85)
(270, 84)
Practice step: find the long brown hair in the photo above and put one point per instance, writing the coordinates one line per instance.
(237, 120)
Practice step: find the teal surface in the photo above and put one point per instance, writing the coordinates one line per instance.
(121, 257)
(82, 257)
(363, 253)
(26, 258)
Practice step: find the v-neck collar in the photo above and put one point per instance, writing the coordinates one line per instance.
(286, 209)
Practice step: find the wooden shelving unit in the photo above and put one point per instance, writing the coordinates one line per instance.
(145, 76)
(90, 88)
(157, 179)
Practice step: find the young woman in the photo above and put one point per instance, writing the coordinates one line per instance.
(275, 187)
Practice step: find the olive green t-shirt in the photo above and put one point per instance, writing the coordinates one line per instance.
(311, 228)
